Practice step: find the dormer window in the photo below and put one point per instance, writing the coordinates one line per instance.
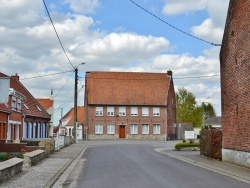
(38, 108)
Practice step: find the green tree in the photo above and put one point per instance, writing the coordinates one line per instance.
(187, 108)
(209, 110)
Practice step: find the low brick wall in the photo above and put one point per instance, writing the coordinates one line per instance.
(211, 143)
(10, 168)
(16, 147)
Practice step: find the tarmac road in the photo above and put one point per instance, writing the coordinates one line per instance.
(138, 165)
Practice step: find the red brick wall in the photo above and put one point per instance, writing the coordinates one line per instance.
(171, 103)
(17, 147)
(3, 125)
(235, 77)
(126, 120)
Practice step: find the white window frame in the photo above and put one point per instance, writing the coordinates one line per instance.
(145, 111)
(122, 111)
(156, 111)
(110, 129)
(13, 103)
(110, 111)
(19, 104)
(145, 129)
(98, 111)
(98, 128)
(134, 111)
(156, 128)
(133, 129)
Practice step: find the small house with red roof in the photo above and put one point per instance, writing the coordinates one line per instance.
(130, 105)
(67, 123)
(27, 120)
(48, 105)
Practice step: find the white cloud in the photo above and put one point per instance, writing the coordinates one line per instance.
(84, 6)
(212, 28)
(173, 7)
(208, 31)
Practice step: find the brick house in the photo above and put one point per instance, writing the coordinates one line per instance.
(26, 117)
(130, 105)
(235, 84)
(4, 114)
(48, 105)
(67, 123)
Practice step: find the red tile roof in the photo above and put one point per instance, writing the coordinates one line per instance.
(30, 101)
(127, 88)
(70, 114)
(46, 103)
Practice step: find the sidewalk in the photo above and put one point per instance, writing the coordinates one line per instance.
(193, 157)
(46, 172)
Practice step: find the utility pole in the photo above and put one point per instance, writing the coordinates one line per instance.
(75, 103)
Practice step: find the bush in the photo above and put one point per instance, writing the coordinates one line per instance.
(179, 146)
(6, 156)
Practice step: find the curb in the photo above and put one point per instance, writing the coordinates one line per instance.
(205, 166)
(51, 182)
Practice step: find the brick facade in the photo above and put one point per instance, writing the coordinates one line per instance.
(130, 90)
(235, 77)
(3, 125)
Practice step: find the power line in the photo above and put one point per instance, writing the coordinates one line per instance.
(197, 77)
(64, 85)
(46, 75)
(57, 34)
(173, 26)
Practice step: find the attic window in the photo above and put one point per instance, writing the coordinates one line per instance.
(38, 108)
(26, 106)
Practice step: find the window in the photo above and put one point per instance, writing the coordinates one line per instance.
(122, 111)
(133, 129)
(38, 108)
(145, 111)
(145, 129)
(26, 106)
(13, 103)
(18, 104)
(156, 129)
(98, 129)
(110, 129)
(99, 111)
(156, 111)
(134, 111)
(110, 111)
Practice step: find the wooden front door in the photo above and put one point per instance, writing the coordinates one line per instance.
(122, 131)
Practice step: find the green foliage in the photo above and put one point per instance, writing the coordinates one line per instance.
(206, 127)
(6, 156)
(181, 145)
(187, 108)
(209, 110)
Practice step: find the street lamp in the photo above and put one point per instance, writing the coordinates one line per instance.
(75, 101)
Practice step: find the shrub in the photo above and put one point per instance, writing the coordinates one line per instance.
(179, 146)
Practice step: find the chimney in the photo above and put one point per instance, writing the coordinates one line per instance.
(16, 77)
(51, 95)
(169, 73)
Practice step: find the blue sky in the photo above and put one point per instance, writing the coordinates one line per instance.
(112, 35)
